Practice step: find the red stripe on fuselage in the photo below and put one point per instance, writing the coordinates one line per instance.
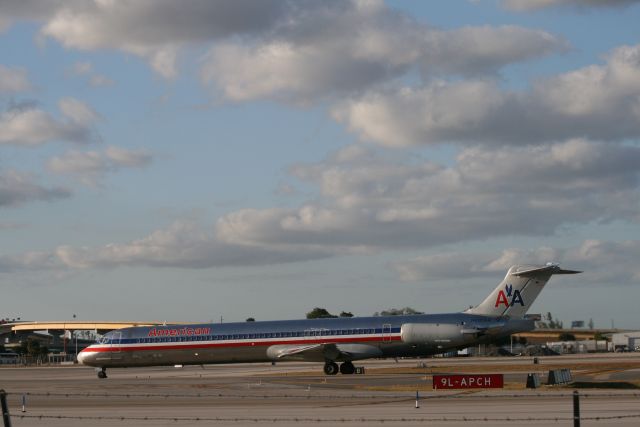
(196, 345)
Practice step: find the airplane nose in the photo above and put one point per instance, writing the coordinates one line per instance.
(84, 357)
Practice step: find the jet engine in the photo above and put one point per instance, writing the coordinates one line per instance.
(439, 334)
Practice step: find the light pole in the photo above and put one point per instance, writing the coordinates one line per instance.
(75, 333)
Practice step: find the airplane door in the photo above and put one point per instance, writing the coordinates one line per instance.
(116, 348)
(386, 332)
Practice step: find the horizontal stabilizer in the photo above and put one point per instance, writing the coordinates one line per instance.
(547, 269)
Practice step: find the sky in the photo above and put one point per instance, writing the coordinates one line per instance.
(216, 160)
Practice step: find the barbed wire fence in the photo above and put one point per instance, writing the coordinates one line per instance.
(336, 420)
(386, 397)
(324, 396)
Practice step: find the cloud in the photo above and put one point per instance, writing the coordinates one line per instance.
(529, 5)
(600, 102)
(29, 261)
(91, 166)
(155, 30)
(336, 46)
(603, 262)
(86, 69)
(28, 10)
(28, 125)
(13, 80)
(472, 51)
(367, 203)
(456, 265)
(17, 188)
(350, 47)
(183, 245)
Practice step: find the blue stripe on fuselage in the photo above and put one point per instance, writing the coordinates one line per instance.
(282, 328)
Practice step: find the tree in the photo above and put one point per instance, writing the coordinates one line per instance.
(566, 336)
(32, 347)
(551, 323)
(599, 336)
(397, 312)
(346, 314)
(320, 313)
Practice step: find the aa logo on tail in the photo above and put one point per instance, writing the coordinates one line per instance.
(514, 295)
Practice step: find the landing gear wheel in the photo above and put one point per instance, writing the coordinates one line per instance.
(102, 373)
(330, 368)
(347, 368)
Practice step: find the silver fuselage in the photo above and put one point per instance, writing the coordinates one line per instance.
(337, 340)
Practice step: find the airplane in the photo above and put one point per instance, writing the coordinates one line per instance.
(329, 341)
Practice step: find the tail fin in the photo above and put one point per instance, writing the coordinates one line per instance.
(520, 287)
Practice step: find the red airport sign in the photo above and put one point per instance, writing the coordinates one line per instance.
(452, 382)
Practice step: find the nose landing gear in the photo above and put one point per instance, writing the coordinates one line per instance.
(102, 373)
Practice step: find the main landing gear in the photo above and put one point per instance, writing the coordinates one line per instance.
(331, 368)
(102, 373)
(347, 368)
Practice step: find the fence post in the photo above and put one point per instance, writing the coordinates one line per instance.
(576, 409)
(5, 409)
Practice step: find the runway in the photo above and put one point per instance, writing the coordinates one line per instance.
(298, 394)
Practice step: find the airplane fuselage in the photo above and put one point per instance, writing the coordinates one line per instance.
(355, 338)
(330, 341)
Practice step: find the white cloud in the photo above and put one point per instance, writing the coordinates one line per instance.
(155, 30)
(370, 203)
(485, 49)
(303, 48)
(457, 265)
(77, 111)
(29, 126)
(184, 245)
(13, 80)
(366, 203)
(603, 262)
(86, 69)
(29, 10)
(344, 50)
(91, 166)
(29, 261)
(528, 5)
(600, 102)
(17, 188)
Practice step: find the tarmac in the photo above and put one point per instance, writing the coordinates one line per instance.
(291, 394)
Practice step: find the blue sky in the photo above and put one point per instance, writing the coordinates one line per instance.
(186, 161)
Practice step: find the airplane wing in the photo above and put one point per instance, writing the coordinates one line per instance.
(281, 351)
(322, 352)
